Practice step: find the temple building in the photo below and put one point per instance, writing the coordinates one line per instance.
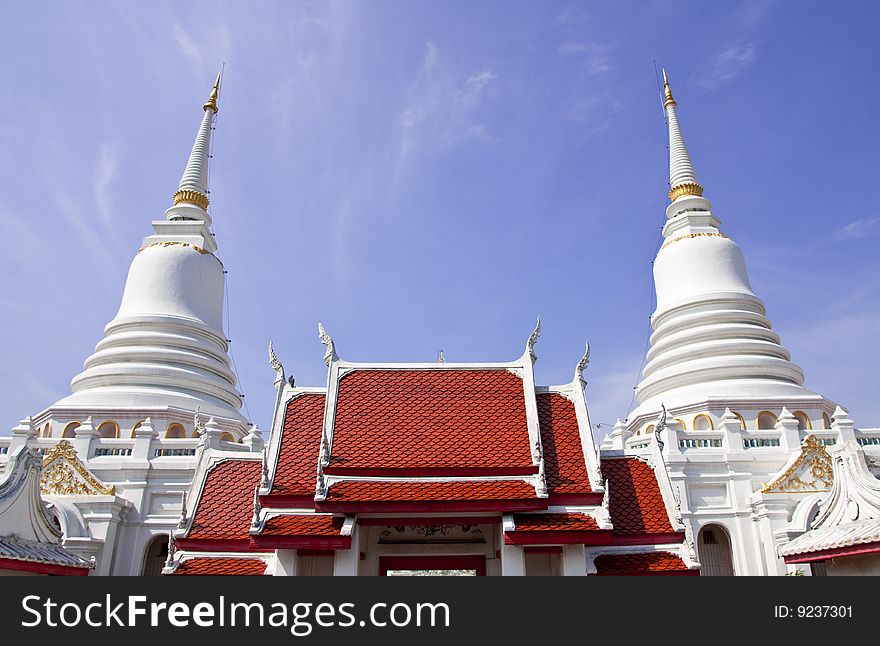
(727, 464)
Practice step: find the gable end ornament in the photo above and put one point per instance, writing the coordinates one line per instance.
(65, 475)
(813, 463)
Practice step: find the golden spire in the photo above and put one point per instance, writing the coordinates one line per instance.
(669, 100)
(212, 100)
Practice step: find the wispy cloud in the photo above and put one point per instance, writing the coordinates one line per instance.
(441, 110)
(187, 45)
(728, 65)
(863, 228)
(593, 56)
(105, 173)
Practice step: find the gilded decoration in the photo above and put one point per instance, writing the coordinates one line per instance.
(169, 243)
(65, 475)
(692, 235)
(193, 197)
(810, 473)
(688, 188)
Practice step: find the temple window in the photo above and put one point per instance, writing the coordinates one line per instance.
(766, 421)
(70, 430)
(108, 429)
(803, 421)
(703, 423)
(175, 431)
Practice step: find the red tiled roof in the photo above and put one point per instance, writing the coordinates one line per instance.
(303, 525)
(554, 522)
(564, 466)
(639, 563)
(361, 490)
(300, 445)
(225, 508)
(221, 566)
(430, 419)
(636, 504)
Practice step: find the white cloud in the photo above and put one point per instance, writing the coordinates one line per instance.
(594, 56)
(864, 228)
(440, 110)
(105, 173)
(728, 65)
(187, 45)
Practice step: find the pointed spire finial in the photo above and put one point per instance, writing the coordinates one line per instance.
(682, 176)
(441, 358)
(193, 187)
(667, 91)
(215, 93)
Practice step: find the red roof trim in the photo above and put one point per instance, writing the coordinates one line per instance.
(210, 545)
(42, 568)
(431, 506)
(396, 521)
(301, 542)
(441, 472)
(822, 555)
(647, 539)
(588, 499)
(560, 537)
(289, 502)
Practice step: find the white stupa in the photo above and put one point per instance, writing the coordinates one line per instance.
(165, 350)
(711, 338)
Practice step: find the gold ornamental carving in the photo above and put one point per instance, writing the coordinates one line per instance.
(688, 188)
(692, 235)
(65, 475)
(810, 473)
(170, 243)
(193, 197)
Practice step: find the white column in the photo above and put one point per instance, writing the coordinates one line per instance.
(285, 563)
(21, 434)
(513, 561)
(82, 441)
(574, 560)
(347, 561)
(143, 438)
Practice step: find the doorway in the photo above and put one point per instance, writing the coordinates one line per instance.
(713, 546)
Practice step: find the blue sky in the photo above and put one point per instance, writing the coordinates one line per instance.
(436, 174)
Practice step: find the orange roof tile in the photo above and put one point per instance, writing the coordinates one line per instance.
(564, 465)
(554, 522)
(300, 445)
(430, 419)
(303, 525)
(361, 490)
(221, 566)
(226, 505)
(636, 504)
(635, 564)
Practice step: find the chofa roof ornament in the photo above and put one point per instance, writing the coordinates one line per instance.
(330, 355)
(533, 339)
